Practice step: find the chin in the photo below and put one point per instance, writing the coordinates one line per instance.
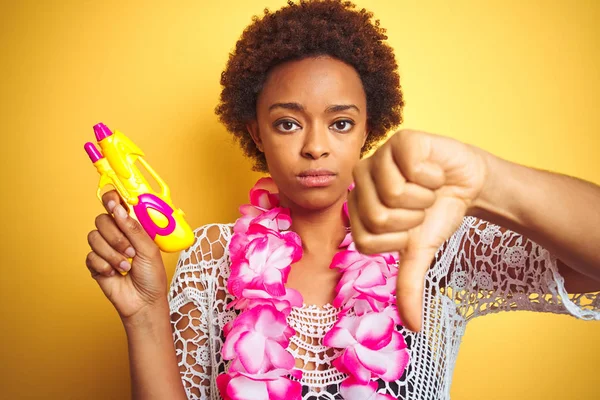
(316, 199)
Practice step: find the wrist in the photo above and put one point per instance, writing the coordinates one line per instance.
(497, 201)
(148, 317)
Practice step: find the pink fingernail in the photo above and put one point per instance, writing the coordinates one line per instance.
(125, 266)
(111, 205)
(130, 252)
(120, 211)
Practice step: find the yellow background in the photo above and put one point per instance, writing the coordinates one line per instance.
(521, 80)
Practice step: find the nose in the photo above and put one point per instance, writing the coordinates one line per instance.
(316, 143)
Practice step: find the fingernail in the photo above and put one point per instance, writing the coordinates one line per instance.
(130, 252)
(125, 266)
(120, 211)
(111, 204)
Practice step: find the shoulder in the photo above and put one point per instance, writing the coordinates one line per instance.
(204, 260)
(209, 249)
(211, 242)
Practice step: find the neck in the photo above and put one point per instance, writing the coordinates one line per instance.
(320, 230)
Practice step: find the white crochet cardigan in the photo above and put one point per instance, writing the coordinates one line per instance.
(481, 269)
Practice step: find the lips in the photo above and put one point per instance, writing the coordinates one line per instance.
(316, 178)
(316, 172)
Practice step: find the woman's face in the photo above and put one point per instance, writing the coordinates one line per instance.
(311, 125)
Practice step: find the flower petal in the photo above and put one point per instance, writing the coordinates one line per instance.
(261, 198)
(296, 373)
(374, 330)
(347, 240)
(279, 356)
(370, 276)
(348, 322)
(250, 350)
(293, 297)
(351, 389)
(267, 183)
(284, 389)
(397, 360)
(382, 396)
(280, 256)
(374, 360)
(362, 306)
(273, 282)
(349, 363)
(258, 252)
(266, 321)
(339, 338)
(233, 336)
(222, 383)
(244, 388)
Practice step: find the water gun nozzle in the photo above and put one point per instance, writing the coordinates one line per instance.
(92, 151)
(101, 131)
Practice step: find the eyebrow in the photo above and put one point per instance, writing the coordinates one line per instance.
(299, 107)
(341, 107)
(287, 106)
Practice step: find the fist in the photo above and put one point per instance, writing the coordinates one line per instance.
(410, 197)
(125, 261)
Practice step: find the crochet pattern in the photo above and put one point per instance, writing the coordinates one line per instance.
(482, 268)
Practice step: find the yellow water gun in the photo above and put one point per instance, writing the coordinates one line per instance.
(118, 164)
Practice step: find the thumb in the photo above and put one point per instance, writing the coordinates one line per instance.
(413, 267)
(144, 246)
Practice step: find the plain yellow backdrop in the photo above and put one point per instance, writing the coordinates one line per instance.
(520, 79)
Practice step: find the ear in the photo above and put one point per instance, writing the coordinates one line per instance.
(252, 128)
(366, 135)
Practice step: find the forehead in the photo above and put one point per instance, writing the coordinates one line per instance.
(314, 83)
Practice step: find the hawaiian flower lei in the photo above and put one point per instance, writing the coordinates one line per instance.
(262, 250)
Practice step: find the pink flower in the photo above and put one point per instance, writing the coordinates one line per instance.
(269, 256)
(265, 183)
(277, 219)
(347, 240)
(350, 389)
(367, 279)
(263, 197)
(345, 214)
(373, 347)
(256, 297)
(273, 385)
(258, 339)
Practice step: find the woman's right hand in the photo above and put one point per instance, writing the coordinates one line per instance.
(117, 237)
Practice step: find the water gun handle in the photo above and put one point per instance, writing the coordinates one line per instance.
(155, 211)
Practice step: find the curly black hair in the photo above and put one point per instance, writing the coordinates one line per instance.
(308, 29)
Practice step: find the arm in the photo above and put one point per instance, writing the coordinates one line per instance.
(139, 297)
(493, 269)
(169, 347)
(413, 193)
(153, 365)
(559, 212)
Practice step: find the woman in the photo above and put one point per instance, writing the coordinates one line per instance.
(280, 304)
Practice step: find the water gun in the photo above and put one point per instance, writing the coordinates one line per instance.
(118, 164)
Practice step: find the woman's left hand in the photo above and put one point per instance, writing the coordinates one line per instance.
(410, 197)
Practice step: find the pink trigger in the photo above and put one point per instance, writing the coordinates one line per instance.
(148, 200)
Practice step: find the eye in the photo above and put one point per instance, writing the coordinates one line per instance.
(287, 126)
(343, 125)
